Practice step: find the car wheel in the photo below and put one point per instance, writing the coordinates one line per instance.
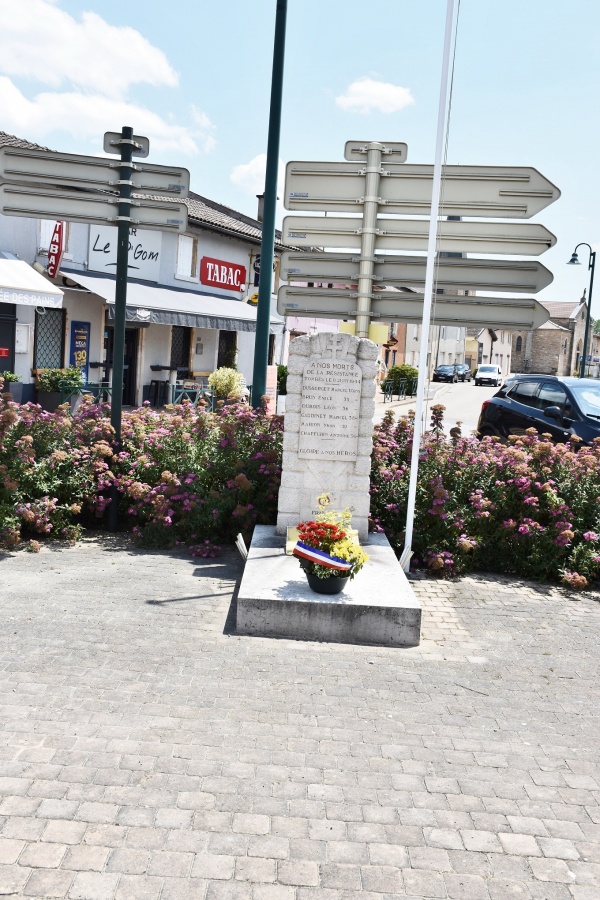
(476, 383)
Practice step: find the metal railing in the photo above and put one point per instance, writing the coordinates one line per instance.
(401, 388)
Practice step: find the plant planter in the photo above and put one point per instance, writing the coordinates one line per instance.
(15, 389)
(49, 400)
(333, 585)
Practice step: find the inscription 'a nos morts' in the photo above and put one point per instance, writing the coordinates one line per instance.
(330, 410)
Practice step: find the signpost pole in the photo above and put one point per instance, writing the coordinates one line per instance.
(428, 292)
(123, 220)
(263, 313)
(367, 246)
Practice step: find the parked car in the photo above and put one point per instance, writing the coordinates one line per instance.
(445, 373)
(463, 371)
(488, 375)
(557, 405)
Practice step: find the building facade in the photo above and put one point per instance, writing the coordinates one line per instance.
(187, 309)
(556, 347)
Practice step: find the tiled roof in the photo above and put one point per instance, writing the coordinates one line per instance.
(10, 140)
(223, 218)
(558, 309)
(552, 326)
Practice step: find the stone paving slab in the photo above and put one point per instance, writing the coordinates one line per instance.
(147, 751)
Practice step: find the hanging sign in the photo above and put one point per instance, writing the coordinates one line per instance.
(55, 250)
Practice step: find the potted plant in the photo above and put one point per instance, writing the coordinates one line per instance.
(12, 386)
(55, 385)
(328, 550)
(226, 384)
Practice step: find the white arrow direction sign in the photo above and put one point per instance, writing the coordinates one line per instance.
(512, 276)
(499, 192)
(52, 203)
(508, 238)
(391, 306)
(68, 170)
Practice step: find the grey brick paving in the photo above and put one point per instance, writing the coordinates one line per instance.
(148, 752)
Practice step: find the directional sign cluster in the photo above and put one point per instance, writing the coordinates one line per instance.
(404, 191)
(45, 184)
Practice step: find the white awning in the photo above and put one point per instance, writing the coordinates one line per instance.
(165, 306)
(22, 285)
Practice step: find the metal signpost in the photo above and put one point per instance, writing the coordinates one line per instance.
(370, 282)
(94, 190)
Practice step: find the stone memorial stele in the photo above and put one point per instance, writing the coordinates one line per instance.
(328, 441)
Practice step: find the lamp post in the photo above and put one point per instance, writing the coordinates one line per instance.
(574, 261)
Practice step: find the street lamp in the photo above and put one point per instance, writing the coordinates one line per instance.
(574, 261)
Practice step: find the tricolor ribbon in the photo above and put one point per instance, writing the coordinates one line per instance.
(303, 551)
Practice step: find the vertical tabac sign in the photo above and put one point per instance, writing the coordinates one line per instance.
(55, 250)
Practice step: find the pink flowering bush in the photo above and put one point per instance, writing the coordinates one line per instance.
(181, 476)
(527, 508)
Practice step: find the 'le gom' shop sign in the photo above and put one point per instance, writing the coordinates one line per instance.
(144, 252)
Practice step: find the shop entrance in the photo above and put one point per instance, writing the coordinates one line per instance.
(129, 363)
(8, 319)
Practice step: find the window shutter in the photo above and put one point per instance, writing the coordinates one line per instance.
(185, 255)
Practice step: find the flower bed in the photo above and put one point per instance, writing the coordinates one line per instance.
(182, 476)
(191, 477)
(530, 508)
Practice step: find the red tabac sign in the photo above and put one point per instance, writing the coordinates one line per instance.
(222, 274)
(55, 250)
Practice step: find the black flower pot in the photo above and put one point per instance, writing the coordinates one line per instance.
(332, 585)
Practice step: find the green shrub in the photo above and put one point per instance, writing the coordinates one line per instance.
(9, 377)
(396, 374)
(226, 382)
(55, 380)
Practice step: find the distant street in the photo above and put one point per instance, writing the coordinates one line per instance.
(462, 402)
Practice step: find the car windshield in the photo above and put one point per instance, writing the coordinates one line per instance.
(445, 368)
(588, 398)
(487, 368)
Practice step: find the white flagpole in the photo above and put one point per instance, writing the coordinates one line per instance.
(428, 297)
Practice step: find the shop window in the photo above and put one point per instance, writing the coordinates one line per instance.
(187, 257)
(49, 338)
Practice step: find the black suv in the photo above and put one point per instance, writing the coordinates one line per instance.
(555, 405)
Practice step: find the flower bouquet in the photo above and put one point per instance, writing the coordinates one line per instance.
(328, 550)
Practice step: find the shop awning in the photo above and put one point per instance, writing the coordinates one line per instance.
(22, 285)
(164, 306)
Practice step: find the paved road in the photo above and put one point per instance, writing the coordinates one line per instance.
(462, 401)
(148, 752)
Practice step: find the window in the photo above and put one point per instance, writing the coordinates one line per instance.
(524, 392)
(187, 257)
(553, 395)
(415, 332)
(519, 344)
(49, 338)
(443, 332)
(501, 337)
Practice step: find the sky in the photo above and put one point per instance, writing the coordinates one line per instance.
(195, 75)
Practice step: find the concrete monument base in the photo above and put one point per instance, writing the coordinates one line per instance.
(377, 607)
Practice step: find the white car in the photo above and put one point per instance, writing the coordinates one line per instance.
(488, 375)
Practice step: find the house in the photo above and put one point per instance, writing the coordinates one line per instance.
(186, 309)
(495, 346)
(554, 348)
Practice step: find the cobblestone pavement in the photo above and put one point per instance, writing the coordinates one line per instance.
(148, 752)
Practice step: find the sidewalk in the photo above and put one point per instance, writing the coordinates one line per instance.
(149, 752)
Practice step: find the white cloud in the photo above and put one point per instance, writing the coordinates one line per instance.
(89, 116)
(41, 42)
(250, 176)
(365, 95)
